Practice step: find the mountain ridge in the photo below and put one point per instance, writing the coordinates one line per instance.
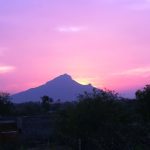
(62, 87)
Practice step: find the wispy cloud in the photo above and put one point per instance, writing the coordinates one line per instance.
(70, 29)
(144, 71)
(6, 69)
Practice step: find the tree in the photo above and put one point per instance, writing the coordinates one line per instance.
(5, 104)
(144, 94)
(95, 120)
(46, 102)
(143, 97)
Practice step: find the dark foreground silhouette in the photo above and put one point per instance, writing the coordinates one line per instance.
(100, 120)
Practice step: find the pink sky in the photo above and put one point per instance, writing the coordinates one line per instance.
(103, 42)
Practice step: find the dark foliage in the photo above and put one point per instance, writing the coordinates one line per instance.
(97, 121)
(6, 106)
(28, 108)
(143, 97)
(102, 121)
(46, 103)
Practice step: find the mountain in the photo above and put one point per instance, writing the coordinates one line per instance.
(62, 87)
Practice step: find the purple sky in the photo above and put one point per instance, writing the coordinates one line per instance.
(103, 42)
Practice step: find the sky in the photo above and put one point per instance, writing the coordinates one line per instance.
(102, 42)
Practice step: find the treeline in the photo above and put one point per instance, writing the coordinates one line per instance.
(8, 108)
(104, 121)
(99, 121)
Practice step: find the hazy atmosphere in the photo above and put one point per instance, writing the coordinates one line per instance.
(74, 74)
(102, 42)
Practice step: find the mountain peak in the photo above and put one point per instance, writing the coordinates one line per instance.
(62, 78)
(65, 76)
(62, 87)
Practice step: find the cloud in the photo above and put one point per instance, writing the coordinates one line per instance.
(70, 29)
(144, 71)
(6, 69)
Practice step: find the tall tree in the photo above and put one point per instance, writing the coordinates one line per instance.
(46, 102)
(143, 97)
(5, 104)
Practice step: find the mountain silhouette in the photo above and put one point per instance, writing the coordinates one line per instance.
(62, 87)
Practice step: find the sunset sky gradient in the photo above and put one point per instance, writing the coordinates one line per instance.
(102, 42)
